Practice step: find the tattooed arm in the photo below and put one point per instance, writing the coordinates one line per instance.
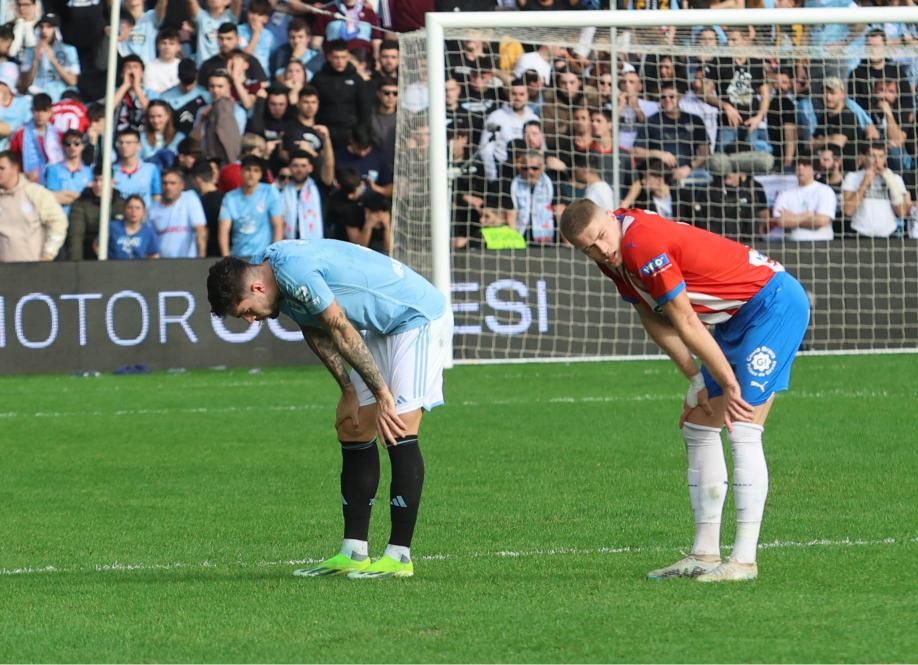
(322, 346)
(350, 347)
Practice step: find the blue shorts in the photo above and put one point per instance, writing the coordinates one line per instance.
(761, 341)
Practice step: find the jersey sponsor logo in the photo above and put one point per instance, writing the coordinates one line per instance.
(656, 265)
(304, 298)
(761, 362)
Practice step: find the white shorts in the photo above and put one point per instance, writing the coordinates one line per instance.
(411, 363)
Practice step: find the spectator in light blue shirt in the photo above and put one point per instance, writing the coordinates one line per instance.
(178, 219)
(207, 22)
(297, 48)
(15, 110)
(51, 66)
(254, 38)
(252, 216)
(69, 178)
(131, 175)
(142, 40)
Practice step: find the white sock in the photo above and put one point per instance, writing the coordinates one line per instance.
(398, 552)
(355, 549)
(750, 488)
(707, 484)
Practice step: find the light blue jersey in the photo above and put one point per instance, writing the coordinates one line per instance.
(376, 292)
(47, 79)
(264, 48)
(142, 40)
(16, 115)
(176, 225)
(251, 217)
(59, 178)
(206, 26)
(145, 180)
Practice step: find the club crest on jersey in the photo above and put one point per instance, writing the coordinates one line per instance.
(304, 297)
(761, 362)
(655, 265)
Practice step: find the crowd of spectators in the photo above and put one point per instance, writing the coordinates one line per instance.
(241, 122)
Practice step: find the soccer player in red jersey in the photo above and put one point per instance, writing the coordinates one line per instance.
(681, 279)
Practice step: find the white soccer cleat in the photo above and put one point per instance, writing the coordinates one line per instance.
(691, 566)
(731, 571)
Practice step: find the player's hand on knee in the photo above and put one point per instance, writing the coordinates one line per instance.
(736, 409)
(388, 423)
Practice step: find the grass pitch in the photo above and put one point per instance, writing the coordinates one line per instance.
(158, 518)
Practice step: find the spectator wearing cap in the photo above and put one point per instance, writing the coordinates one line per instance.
(186, 98)
(807, 211)
(358, 28)
(15, 110)
(142, 40)
(303, 211)
(503, 126)
(32, 225)
(162, 72)
(178, 219)
(51, 66)
(228, 45)
(38, 143)
(68, 179)
(24, 27)
(837, 124)
(252, 216)
(132, 98)
(297, 48)
(345, 99)
(131, 174)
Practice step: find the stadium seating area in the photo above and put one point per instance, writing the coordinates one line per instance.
(311, 89)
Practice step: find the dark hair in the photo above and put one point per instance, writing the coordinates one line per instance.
(72, 134)
(227, 27)
(169, 131)
(187, 71)
(276, 89)
(132, 57)
(361, 136)
(174, 170)
(12, 157)
(388, 45)
(308, 91)
(96, 111)
(189, 146)
(252, 160)
(299, 154)
(135, 197)
(876, 32)
(348, 179)
(6, 31)
(261, 7)
(127, 131)
(336, 45)
(872, 145)
(72, 94)
(296, 24)
(383, 81)
(41, 102)
(517, 83)
(167, 32)
(203, 170)
(225, 281)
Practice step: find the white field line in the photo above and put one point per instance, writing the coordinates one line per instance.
(584, 399)
(508, 554)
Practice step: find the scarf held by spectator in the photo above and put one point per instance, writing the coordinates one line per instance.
(37, 152)
(303, 212)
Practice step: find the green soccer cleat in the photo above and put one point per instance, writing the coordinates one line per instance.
(337, 565)
(384, 568)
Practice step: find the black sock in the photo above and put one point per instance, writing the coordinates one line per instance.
(405, 490)
(359, 481)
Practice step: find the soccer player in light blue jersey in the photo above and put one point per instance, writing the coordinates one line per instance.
(361, 309)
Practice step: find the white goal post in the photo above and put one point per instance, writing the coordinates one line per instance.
(544, 303)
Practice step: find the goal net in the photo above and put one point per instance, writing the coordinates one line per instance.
(795, 138)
